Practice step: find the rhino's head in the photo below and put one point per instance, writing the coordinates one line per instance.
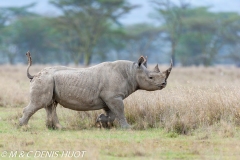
(151, 80)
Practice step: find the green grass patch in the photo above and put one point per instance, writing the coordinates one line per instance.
(114, 143)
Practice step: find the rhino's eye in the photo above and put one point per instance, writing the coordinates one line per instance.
(150, 77)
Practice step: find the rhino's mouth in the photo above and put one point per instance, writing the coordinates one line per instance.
(161, 87)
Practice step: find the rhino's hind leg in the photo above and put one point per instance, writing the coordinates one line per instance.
(27, 113)
(40, 96)
(52, 121)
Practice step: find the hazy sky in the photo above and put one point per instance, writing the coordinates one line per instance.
(138, 15)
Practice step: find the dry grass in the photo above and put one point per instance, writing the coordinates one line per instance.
(202, 103)
(195, 97)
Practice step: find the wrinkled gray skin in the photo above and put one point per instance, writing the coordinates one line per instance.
(103, 86)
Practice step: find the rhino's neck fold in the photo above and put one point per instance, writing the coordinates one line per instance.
(130, 73)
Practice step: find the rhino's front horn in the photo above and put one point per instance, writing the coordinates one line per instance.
(168, 71)
(171, 65)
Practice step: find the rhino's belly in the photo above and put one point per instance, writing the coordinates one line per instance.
(77, 90)
(81, 99)
(79, 104)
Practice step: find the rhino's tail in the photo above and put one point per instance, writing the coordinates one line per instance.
(29, 64)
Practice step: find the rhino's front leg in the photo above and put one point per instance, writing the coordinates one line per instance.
(117, 107)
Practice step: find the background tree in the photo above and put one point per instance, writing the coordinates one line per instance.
(9, 15)
(205, 35)
(140, 40)
(86, 21)
(170, 16)
(230, 33)
(38, 36)
(89, 31)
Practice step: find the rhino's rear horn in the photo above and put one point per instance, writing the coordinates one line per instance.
(156, 69)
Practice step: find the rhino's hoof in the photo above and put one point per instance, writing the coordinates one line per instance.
(52, 126)
(100, 124)
(21, 122)
(127, 127)
(103, 122)
(59, 127)
(25, 128)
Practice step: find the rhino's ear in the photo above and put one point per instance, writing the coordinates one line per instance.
(145, 62)
(156, 69)
(141, 61)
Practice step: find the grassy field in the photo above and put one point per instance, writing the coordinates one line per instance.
(197, 116)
